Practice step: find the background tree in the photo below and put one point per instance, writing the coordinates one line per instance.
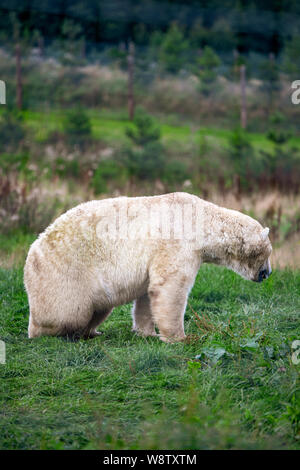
(77, 126)
(269, 74)
(145, 158)
(207, 70)
(16, 26)
(173, 49)
(242, 160)
(291, 58)
(130, 60)
(72, 42)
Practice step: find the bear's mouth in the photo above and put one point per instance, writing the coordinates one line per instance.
(263, 274)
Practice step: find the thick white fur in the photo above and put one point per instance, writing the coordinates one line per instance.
(75, 274)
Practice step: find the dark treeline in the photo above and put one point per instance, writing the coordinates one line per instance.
(261, 26)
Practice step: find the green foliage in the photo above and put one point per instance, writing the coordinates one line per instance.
(107, 171)
(155, 41)
(24, 210)
(67, 168)
(278, 137)
(282, 163)
(145, 129)
(291, 59)
(146, 163)
(14, 162)
(207, 72)
(71, 44)
(241, 156)
(172, 50)
(276, 134)
(225, 26)
(231, 385)
(77, 125)
(12, 131)
(119, 56)
(269, 74)
(176, 172)
(145, 159)
(220, 37)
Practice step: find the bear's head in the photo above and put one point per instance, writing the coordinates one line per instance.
(252, 260)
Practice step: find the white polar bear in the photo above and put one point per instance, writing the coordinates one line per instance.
(105, 253)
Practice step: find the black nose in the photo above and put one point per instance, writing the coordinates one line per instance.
(263, 274)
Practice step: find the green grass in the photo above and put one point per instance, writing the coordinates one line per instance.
(15, 243)
(232, 384)
(110, 127)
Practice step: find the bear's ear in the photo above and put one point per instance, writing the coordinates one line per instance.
(265, 233)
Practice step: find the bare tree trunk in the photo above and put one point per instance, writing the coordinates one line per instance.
(41, 46)
(270, 105)
(235, 65)
(130, 81)
(243, 97)
(19, 77)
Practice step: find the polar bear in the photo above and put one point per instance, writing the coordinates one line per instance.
(148, 250)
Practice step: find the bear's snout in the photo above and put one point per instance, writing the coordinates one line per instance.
(263, 274)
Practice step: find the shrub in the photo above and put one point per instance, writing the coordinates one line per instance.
(146, 163)
(67, 168)
(175, 172)
(208, 63)
(77, 125)
(14, 162)
(12, 131)
(145, 158)
(242, 158)
(108, 170)
(145, 130)
(269, 74)
(281, 167)
(291, 60)
(173, 49)
(24, 209)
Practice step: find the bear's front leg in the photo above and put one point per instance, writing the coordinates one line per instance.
(168, 302)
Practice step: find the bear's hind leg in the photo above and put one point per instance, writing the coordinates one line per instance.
(98, 317)
(142, 317)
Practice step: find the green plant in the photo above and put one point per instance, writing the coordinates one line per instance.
(242, 158)
(145, 158)
(172, 49)
(145, 130)
(175, 172)
(107, 170)
(269, 74)
(12, 130)
(291, 61)
(67, 168)
(77, 125)
(207, 70)
(282, 162)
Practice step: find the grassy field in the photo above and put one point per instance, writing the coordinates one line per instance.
(232, 384)
(110, 127)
